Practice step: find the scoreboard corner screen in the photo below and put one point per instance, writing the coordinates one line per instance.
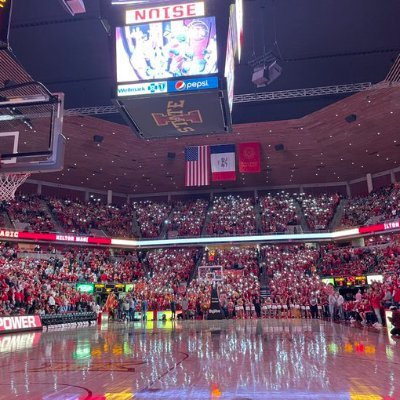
(168, 53)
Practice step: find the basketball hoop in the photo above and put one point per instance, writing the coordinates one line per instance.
(9, 183)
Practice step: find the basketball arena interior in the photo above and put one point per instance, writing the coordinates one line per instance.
(199, 199)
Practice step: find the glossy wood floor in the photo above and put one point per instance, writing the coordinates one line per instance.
(267, 359)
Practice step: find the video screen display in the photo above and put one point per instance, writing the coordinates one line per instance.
(230, 61)
(162, 50)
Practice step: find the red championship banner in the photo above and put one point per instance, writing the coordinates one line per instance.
(19, 323)
(249, 157)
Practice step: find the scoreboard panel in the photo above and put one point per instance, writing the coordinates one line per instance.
(168, 49)
(172, 67)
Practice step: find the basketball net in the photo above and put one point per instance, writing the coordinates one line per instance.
(9, 183)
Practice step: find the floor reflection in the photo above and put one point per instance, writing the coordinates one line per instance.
(274, 359)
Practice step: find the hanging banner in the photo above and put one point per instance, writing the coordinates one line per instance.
(223, 166)
(249, 157)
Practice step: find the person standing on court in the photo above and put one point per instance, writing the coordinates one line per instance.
(340, 301)
(185, 307)
(173, 308)
(314, 306)
(332, 305)
(144, 309)
(132, 308)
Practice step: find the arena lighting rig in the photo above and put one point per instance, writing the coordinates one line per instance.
(175, 65)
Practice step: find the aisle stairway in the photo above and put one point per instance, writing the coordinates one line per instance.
(207, 220)
(195, 270)
(7, 222)
(135, 226)
(337, 218)
(264, 286)
(303, 222)
(164, 226)
(46, 209)
(258, 212)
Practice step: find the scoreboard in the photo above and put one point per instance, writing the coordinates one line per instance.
(175, 66)
(5, 15)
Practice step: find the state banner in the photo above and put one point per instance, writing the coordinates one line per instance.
(223, 162)
(250, 157)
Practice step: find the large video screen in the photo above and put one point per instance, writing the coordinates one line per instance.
(162, 50)
(230, 60)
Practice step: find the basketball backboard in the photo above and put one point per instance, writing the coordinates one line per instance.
(31, 139)
(210, 273)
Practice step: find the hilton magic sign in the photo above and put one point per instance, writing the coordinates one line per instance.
(177, 115)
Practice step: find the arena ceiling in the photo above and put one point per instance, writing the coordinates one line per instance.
(320, 147)
(321, 44)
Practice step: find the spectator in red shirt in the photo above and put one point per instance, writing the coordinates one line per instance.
(376, 299)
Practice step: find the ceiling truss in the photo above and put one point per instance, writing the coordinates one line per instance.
(261, 96)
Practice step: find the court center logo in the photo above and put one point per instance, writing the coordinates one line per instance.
(176, 116)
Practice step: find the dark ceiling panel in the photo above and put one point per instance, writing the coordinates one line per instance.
(322, 43)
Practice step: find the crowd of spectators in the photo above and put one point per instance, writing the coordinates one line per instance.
(43, 285)
(278, 212)
(318, 210)
(381, 205)
(162, 277)
(168, 273)
(30, 210)
(187, 217)
(227, 215)
(292, 278)
(167, 276)
(81, 218)
(232, 215)
(348, 261)
(237, 282)
(151, 216)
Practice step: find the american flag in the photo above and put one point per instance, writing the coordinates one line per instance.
(197, 172)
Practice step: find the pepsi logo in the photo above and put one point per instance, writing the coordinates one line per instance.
(180, 85)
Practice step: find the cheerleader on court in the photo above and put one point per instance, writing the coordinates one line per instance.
(248, 305)
(239, 309)
(264, 309)
(284, 309)
(269, 307)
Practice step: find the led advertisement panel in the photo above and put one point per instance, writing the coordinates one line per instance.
(171, 86)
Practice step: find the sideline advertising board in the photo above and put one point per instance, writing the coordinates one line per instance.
(19, 323)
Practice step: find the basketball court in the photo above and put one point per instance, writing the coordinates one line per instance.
(253, 359)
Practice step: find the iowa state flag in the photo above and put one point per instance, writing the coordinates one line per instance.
(223, 166)
(249, 157)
